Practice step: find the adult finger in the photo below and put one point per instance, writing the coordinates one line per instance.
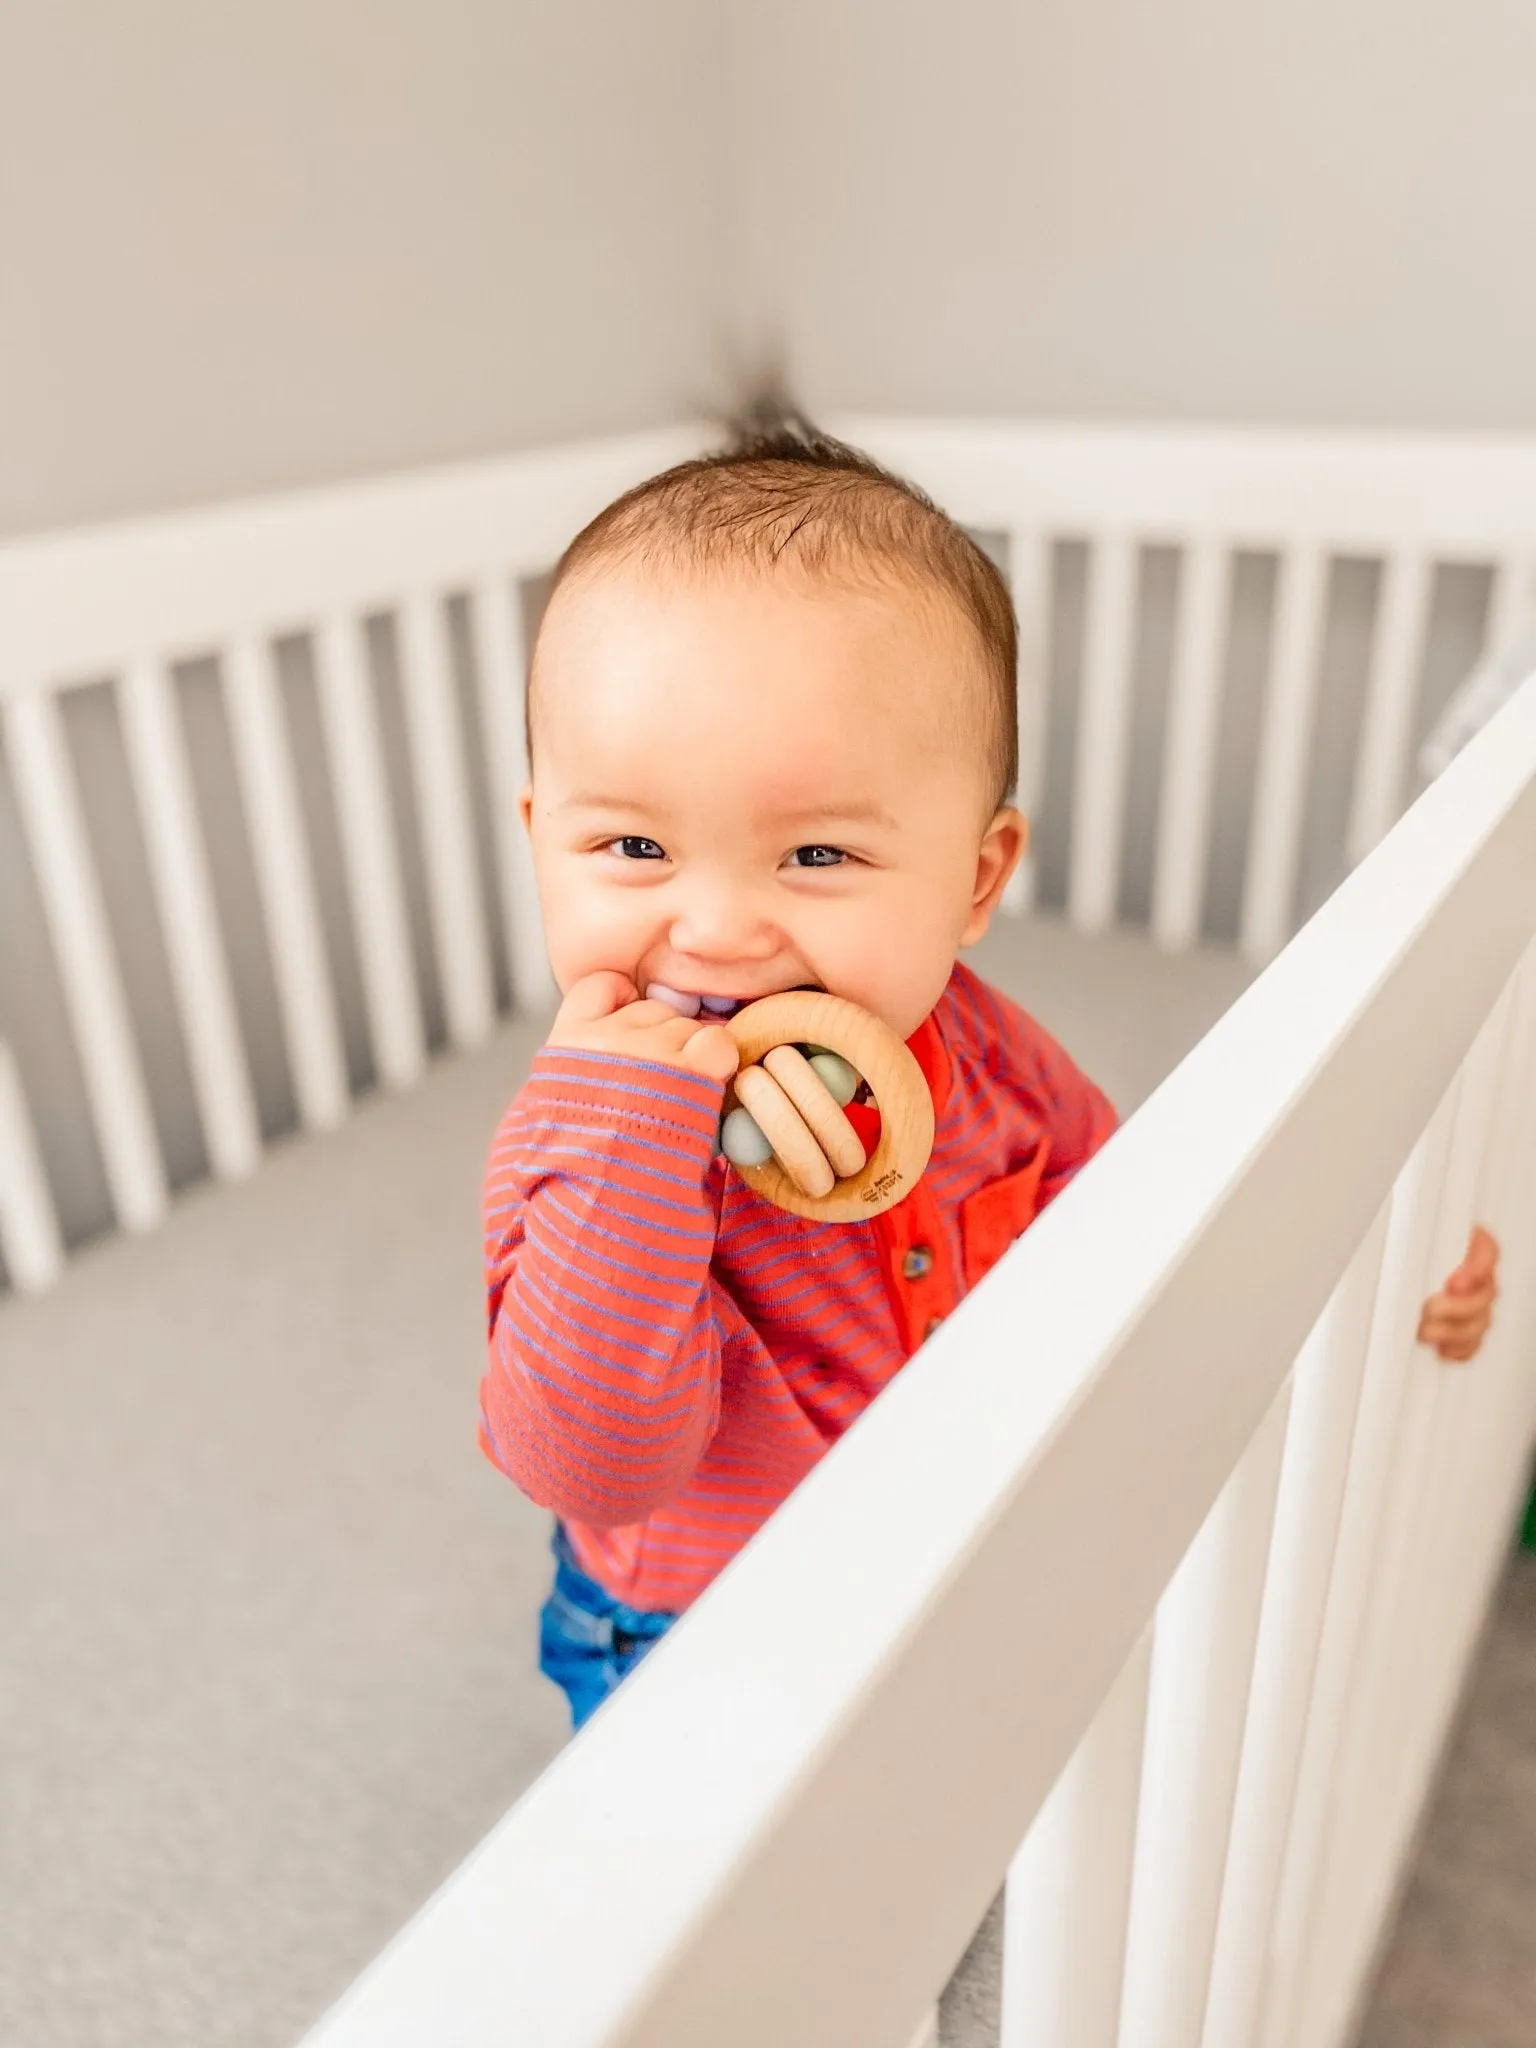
(1483, 1258)
(1479, 1263)
(1473, 1334)
(1455, 1311)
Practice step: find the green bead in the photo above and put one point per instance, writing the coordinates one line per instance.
(839, 1079)
(742, 1142)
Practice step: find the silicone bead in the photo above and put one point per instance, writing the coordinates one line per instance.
(837, 1077)
(685, 1006)
(742, 1142)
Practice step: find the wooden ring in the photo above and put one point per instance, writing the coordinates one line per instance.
(794, 1143)
(818, 1106)
(872, 1049)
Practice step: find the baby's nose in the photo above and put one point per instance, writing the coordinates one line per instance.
(721, 923)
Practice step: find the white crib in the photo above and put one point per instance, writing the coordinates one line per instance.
(1228, 1666)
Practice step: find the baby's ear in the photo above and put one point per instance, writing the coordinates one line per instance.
(1002, 848)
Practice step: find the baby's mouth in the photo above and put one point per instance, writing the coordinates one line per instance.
(687, 1004)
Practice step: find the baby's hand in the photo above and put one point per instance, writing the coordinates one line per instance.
(604, 1013)
(1456, 1320)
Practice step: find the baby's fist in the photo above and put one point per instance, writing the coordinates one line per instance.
(1455, 1321)
(604, 1013)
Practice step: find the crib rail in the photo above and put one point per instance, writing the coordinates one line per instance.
(371, 798)
(1163, 1560)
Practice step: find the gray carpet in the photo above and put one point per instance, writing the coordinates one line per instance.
(268, 1662)
(1460, 1970)
(268, 1655)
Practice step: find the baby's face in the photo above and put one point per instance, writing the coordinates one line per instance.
(743, 785)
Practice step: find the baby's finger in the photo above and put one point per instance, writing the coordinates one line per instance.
(649, 1015)
(654, 1030)
(712, 1052)
(594, 997)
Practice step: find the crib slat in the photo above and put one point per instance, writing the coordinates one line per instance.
(178, 865)
(1202, 1666)
(1275, 837)
(1328, 1378)
(1189, 754)
(1103, 737)
(284, 877)
(29, 1228)
(1029, 577)
(442, 801)
(355, 759)
(1357, 1568)
(1511, 605)
(1402, 614)
(500, 671)
(98, 1014)
(1069, 1887)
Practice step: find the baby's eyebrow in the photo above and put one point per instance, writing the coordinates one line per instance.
(842, 814)
(855, 813)
(588, 800)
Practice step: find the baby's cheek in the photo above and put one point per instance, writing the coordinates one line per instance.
(589, 929)
(895, 965)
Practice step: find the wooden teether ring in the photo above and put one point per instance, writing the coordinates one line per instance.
(805, 1017)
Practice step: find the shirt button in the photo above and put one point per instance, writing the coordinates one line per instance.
(917, 1264)
(932, 1324)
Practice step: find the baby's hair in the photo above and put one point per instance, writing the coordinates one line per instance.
(781, 491)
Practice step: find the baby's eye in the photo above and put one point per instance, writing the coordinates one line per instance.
(817, 857)
(633, 847)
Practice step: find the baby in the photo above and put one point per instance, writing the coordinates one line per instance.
(772, 734)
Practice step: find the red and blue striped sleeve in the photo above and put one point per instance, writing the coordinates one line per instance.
(602, 1389)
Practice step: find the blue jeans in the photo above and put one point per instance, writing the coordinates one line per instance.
(588, 1641)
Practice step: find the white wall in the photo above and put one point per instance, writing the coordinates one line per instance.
(248, 247)
(1308, 210)
(245, 248)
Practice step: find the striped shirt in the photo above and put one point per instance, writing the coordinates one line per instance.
(669, 1353)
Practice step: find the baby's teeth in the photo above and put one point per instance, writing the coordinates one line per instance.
(685, 1006)
(720, 1006)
